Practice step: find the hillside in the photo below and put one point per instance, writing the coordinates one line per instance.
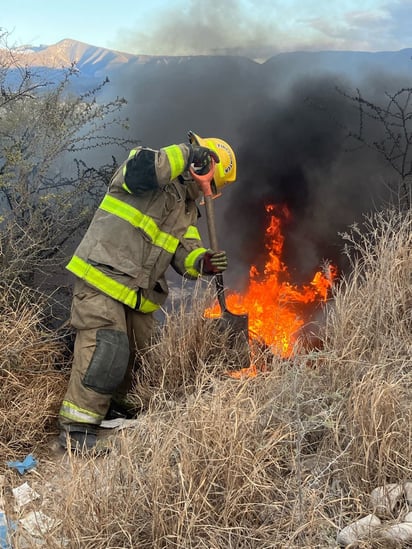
(98, 62)
(68, 51)
(90, 60)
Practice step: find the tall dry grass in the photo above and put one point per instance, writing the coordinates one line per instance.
(281, 460)
(30, 384)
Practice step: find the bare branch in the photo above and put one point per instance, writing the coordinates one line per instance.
(393, 121)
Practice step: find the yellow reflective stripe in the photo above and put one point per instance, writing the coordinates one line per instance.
(192, 232)
(80, 415)
(147, 306)
(126, 188)
(139, 220)
(102, 282)
(110, 287)
(176, 160)
(191, 260)
(219, 165)
(131, 153)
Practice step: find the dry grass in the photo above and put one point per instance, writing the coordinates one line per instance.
(372, 317)
(281, 460)
(30, 385)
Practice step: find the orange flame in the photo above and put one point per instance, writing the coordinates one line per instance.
(274, 305)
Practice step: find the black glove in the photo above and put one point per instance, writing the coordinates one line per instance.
(214, 262)
(201, 157)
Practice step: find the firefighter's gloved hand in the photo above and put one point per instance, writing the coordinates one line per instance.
(201, 157)
(214, 262)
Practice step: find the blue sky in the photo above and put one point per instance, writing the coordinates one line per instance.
(257, 28)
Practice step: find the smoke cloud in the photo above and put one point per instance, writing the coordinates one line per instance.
(260, 29)
(196, 27)
(290, 137)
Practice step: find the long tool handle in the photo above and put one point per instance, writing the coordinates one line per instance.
(204, 182)
(211, 227)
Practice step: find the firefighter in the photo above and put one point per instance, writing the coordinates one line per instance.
(145, 223)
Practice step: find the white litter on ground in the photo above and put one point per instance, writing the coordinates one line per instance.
(119, 423)
(24, 494)
(38, 524)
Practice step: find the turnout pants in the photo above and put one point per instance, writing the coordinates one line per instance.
(109, 334)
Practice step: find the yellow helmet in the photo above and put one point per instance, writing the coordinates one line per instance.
(225, 170)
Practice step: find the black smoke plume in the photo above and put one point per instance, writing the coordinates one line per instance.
(290, 137)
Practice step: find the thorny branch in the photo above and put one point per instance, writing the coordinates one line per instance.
(392, 120)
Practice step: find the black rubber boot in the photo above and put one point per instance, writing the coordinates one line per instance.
(84, 443)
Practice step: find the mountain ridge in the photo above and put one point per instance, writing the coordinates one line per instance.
(95, 64)
(68, 51)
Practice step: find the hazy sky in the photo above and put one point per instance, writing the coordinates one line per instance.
(256, 28)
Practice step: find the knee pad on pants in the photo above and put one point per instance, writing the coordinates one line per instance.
(109, 362)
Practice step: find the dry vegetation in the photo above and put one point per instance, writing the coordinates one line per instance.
(281, 460)
(30, 383)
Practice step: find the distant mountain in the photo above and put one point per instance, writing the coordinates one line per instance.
(96, 63)
(68, 51)
(89, 59)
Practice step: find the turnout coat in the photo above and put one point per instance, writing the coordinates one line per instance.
(145, 222)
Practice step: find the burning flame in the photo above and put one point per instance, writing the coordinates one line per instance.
(274, 305)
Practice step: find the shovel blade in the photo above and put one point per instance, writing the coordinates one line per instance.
(237, 328)
(237, 324)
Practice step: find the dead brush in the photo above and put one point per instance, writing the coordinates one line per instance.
(30, 385)
(215, 470)
(187, 346)
(371, 318)
(367, 358)
(379, 417)
(284, 459)
(214, 461)
(369, 341)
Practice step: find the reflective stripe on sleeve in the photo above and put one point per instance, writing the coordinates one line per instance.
(191, 260)
(176, 160)
(126, 188)
(192, 233)
(139, 220)
(79, 415)
(131, 153)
